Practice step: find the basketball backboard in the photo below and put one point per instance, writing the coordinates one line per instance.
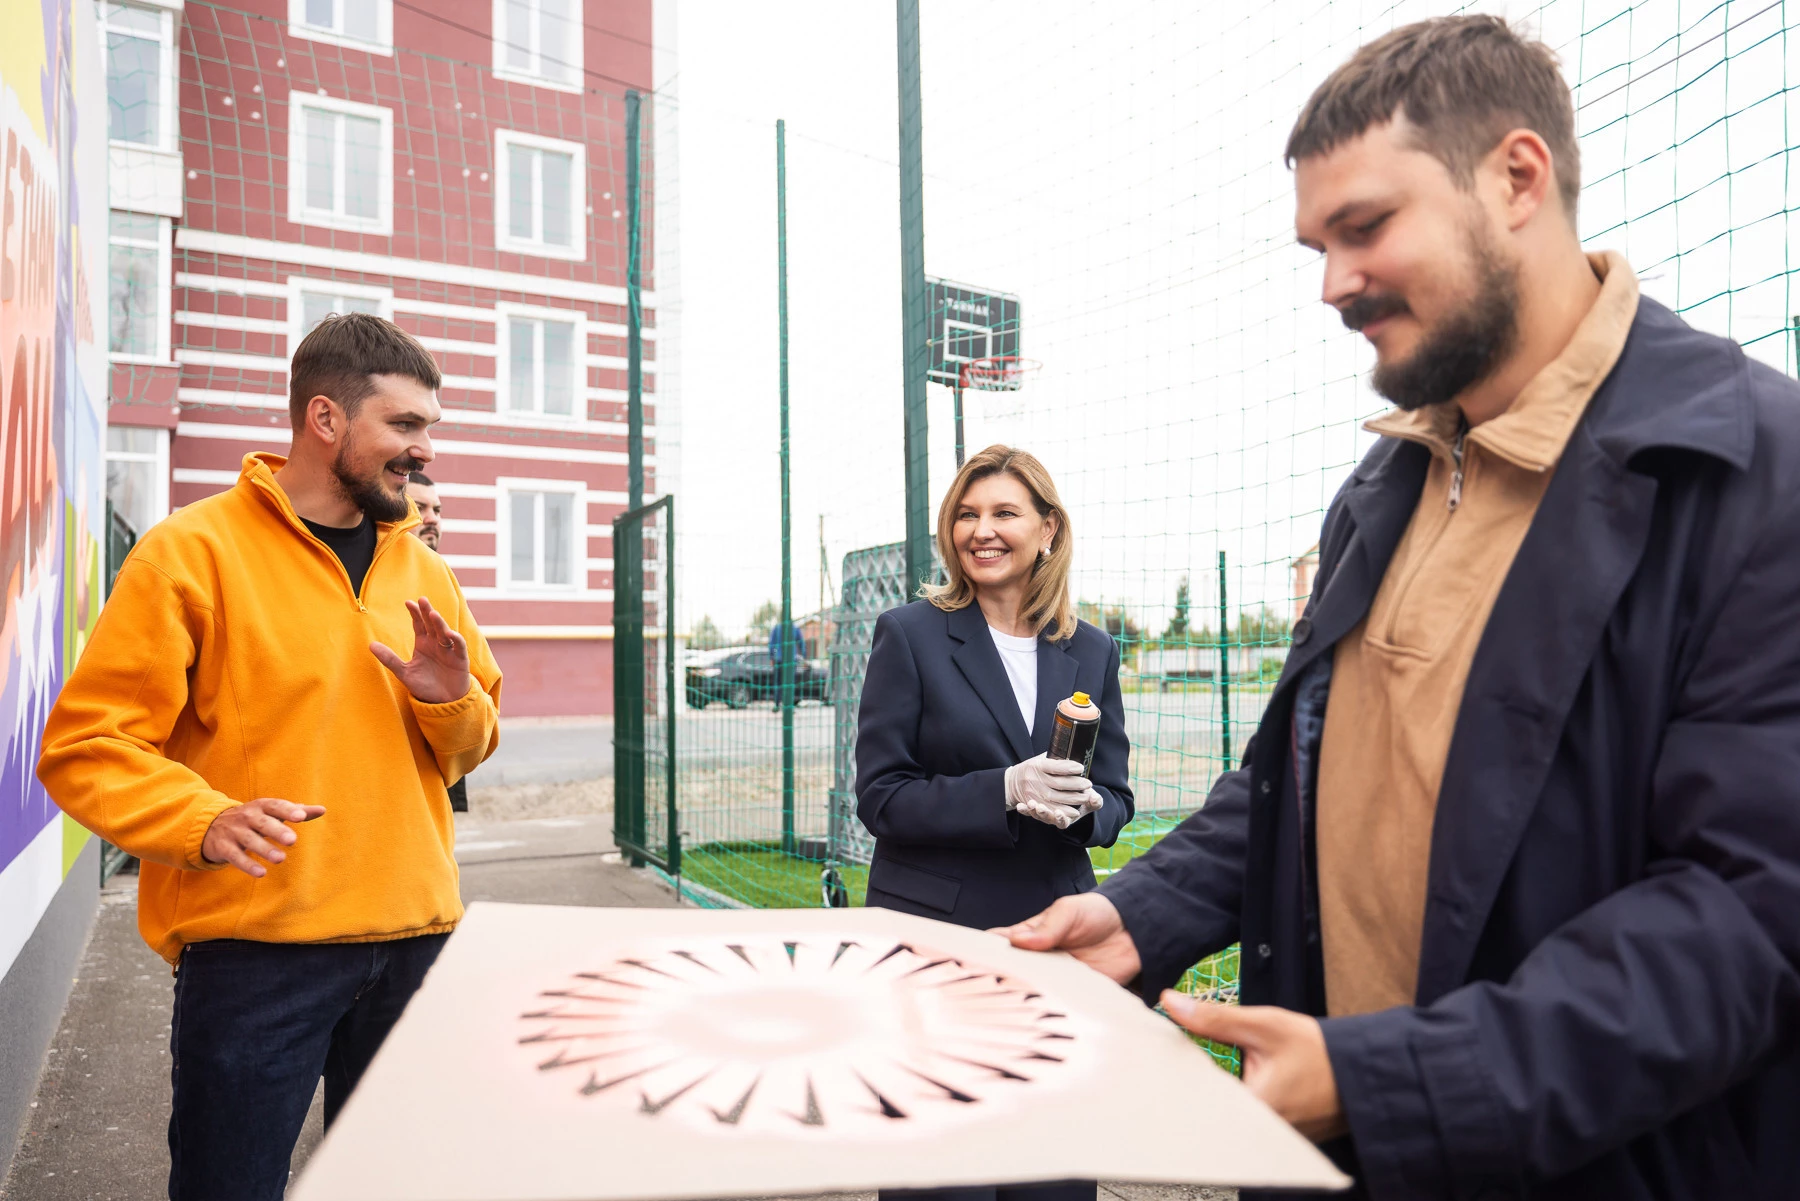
(967, 324)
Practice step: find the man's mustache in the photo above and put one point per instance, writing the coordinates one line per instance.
(1365, 310)
(406, 463)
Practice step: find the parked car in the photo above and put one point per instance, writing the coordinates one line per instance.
(751, 675)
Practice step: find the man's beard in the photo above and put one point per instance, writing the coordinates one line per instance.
(429, 538)
(369, 494)
(1462, 349)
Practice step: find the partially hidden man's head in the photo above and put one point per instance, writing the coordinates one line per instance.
(362, 396)
(424, 496)
(1427, 170)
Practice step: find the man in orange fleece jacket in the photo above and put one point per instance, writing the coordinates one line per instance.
(246, 677)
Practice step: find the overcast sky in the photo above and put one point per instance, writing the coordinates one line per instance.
(1117, 165)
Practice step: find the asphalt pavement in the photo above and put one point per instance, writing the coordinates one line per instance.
(553, 750)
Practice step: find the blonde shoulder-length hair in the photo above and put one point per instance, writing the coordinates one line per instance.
(1046, 603)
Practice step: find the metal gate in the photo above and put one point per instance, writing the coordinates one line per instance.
(646, 827)
(875, 580)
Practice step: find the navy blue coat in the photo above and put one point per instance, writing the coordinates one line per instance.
(938, 728)
(1609, 983)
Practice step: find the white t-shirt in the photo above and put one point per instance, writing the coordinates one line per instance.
(1019, 657)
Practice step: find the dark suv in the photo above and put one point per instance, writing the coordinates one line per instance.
(751, 675)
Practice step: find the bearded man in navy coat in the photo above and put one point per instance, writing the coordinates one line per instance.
(1514, 857)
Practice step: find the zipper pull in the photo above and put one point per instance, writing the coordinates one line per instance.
(1456, 474)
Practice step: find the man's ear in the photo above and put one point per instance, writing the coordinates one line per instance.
(325, 420)
(1527, 175)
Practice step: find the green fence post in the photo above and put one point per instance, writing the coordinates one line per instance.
(628, 541)
(915, 320)
(784, 639)
(669, 683)
(1224, 668)
(634, 305)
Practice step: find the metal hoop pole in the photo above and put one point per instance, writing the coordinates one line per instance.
(959, 420)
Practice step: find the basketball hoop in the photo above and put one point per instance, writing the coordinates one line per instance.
(1002, 373)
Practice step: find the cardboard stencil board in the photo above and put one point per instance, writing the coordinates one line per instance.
(579, 1054)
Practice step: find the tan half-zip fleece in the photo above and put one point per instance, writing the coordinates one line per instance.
(1397, 679)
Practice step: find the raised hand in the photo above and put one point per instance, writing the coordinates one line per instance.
(255, 828)
(438, 672)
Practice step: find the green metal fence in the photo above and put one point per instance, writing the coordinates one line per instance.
(646, 828)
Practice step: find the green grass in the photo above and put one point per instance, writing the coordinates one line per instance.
(761, 875)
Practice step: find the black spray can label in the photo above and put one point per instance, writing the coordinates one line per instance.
(1077, 731)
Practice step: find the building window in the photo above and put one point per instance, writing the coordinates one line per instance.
(140, 74)
(310, 301)
(340, 164)
(137, 474)
(358, 24)
(540, 205)
(137, 287)
(539, 41)
(541, 535)
(316, 306)
(541, 365)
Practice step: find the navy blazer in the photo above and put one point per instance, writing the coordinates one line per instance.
(938, 728)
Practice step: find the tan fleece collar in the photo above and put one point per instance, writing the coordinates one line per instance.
(1535, 428)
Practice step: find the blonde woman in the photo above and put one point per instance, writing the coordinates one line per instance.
(972, 823)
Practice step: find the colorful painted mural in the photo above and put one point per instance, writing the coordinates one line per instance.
(53, 211)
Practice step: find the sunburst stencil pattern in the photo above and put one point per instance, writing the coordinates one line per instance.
(852, 1036)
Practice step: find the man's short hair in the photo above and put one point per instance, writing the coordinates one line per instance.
(1462, 82)
(419, 478)
(343, 351)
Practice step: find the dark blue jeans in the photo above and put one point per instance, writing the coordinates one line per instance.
(256, 1024)
(1074, 1190)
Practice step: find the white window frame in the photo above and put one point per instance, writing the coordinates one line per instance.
(299, 285)
(165, 290)
(300, 104)
(504, 141)
(576, 65)
(168, 136)
(504, 584)
(158, 458)
(384, 27)
(504, 312)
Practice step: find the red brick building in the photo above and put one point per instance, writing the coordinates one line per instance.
(458, 166)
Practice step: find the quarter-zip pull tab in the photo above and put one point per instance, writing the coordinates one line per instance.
(1456, 455)
(361, 608)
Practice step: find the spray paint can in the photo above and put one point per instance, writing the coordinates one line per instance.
(1077, 731)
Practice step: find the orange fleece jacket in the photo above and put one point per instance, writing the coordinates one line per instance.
(232, 662)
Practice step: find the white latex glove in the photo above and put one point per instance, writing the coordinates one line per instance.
(1052, 791)
(1062, 816)
(1053, 814)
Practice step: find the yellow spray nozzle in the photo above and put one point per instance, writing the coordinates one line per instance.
(1081, 698)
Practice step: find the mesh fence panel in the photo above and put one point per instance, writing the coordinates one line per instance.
(1117, 167)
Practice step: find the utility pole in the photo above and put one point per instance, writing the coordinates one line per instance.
(824, 576)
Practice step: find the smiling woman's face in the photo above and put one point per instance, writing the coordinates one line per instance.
(999, 534)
